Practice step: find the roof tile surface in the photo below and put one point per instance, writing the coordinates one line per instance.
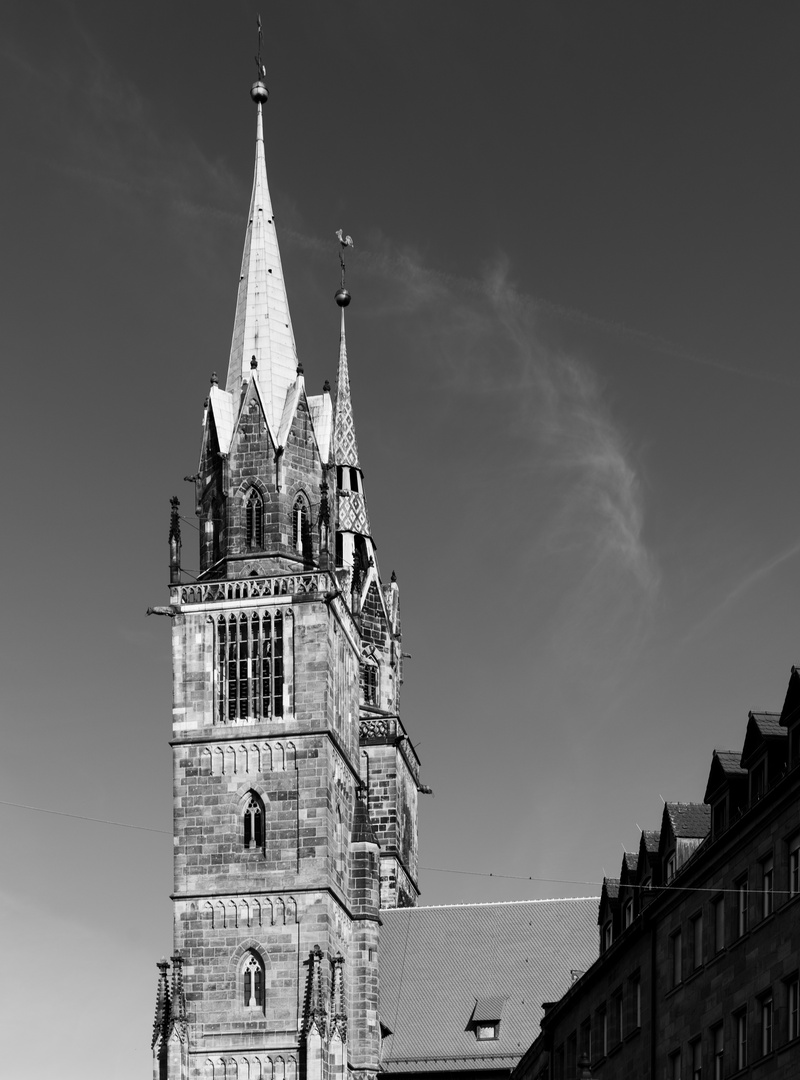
(438, 963)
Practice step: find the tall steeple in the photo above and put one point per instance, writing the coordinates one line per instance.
(353, 536)
(262, 327)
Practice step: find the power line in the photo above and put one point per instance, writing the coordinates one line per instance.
(84, 817)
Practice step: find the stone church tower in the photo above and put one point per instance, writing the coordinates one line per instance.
(295, 784)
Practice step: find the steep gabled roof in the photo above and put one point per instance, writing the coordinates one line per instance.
(321, 409)
(688, 820)
(438, 965)
(763, 729)
(791, 705)
(725, 769)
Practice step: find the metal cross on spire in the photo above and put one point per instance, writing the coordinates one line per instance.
(262, 71)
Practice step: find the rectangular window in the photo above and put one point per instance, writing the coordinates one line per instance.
(676, 957)
(628, 913)
(720, 817)
(697, 941)
(794, 865)
(675, 1065)
(572, 1054)
(793, 1007)
(607, 935)
(670, 869)
(742, 905)
(717, 1047)
(741, 1039)
(602, 1031)
(758, 781)
(635, 1002)
(586, 1038)
(616, 1005)
(767, 874)
(250, 667)
(766, 1024)
(718, 909)
(696, 1054)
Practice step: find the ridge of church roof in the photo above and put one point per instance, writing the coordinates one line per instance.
(490, 903)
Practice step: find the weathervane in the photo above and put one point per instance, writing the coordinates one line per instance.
(342, 295)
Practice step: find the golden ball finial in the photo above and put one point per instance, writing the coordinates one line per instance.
(259, 93)
(342, 297)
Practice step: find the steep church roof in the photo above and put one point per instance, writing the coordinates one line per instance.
(262, 326)
(442, 968)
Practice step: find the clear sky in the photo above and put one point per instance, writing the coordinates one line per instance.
(574, 361)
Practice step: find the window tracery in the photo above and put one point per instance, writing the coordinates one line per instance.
(253, 982)
(250, 668)
(254, 521)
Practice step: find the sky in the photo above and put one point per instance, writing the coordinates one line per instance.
(573, 346)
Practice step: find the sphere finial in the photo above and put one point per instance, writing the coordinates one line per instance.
(342, 297)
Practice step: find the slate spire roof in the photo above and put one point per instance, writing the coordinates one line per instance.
(345, 447)
(262, 326)
(352, 507)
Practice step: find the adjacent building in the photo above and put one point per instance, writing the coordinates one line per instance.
(698, 972)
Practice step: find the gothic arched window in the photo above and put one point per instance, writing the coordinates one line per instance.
(301, 527)
(253, 823)
(253, 982)
(254, 521)
(370, 682)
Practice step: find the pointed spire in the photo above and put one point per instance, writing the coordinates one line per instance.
(262, 326)
(345, 447)
(162, 1017)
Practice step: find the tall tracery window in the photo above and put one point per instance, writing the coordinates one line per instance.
(253, 823)
(250, 667)
(369, 682)
(254, 521)
(253, 982)
(301, 527)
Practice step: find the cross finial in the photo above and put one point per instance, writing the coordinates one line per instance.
(262, 71)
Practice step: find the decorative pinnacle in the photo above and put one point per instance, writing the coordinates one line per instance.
(258, 91)
(342, 295)
(253, 363)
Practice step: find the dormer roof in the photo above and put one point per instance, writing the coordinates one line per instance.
(688, 821)
(763, 731)
(725, 769)
(790, 713)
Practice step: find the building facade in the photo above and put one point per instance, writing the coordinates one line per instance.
(698, 974)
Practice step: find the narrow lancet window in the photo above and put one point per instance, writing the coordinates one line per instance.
(254, 522)
(253, 824)
(253, 982)
(301, 527)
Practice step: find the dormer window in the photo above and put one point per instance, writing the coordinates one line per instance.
(719, 817)
(606, 935)
(758, 780)
(627, 913)
(485, 1019)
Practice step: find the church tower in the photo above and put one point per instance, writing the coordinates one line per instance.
(295, 785)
